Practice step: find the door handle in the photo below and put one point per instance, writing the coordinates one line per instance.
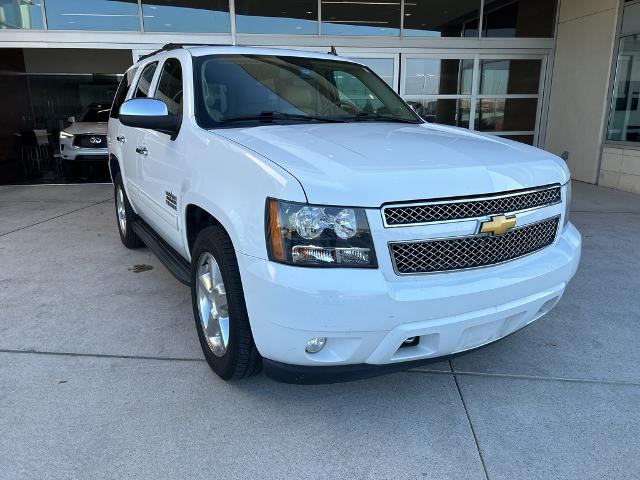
(121, 138)
(142, 151)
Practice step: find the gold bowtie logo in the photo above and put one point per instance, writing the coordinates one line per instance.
(498, 225)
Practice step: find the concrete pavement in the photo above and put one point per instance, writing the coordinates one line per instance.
(101, 374)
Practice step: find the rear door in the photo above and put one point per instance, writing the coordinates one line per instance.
(161, 170)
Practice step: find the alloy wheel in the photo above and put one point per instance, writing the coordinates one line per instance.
(212, 304)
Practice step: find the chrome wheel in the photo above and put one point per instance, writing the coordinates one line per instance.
(120, 211)
(212, 304)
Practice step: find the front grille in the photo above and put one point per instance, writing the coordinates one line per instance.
(90, 141)
(458, 253)
(454, 209)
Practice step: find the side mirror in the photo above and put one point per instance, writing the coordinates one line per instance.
(149, 113)
(71, 119)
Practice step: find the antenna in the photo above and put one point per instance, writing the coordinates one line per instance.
(333, 51)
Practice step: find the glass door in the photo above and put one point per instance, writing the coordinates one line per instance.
(499, 94)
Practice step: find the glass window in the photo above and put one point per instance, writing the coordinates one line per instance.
(121, 93)
(346, 17)
(521, 18)
(502, 77)
(112, 15)
(434, 76)
(277, 16)
(352, 90)
(236, 89)
(144, 83)
(441, 18)
(95, 113)
(506, 114)
(170, 86)
(199, 16)
(21, 14)
(631, 19)
(528, 139)
(449, 111)
(624, 119)
(383, 67)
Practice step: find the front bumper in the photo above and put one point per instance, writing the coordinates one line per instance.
(367, 315)
(72, 153)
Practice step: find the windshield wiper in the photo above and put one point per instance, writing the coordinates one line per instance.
(271, 116)
(382, 118)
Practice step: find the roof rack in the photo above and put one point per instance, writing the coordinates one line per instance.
(175, 46)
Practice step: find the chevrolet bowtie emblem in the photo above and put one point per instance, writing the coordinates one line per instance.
(498, 225)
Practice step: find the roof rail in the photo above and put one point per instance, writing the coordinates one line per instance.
(175, 46)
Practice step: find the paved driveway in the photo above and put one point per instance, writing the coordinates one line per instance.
(101, 375)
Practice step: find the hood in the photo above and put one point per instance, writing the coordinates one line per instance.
(369, 164)
(98, 128)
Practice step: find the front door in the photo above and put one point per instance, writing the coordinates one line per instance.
(161, 161)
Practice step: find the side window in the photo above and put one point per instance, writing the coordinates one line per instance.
(121, 93)
(144, 83)
(170, 86)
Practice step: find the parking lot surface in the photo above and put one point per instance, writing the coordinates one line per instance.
(102, 377)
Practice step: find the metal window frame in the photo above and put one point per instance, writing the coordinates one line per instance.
(475, 95)
(613, 77)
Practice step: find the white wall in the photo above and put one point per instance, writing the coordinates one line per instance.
(580, 83)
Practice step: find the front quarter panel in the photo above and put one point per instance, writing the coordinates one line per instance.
(232, 183)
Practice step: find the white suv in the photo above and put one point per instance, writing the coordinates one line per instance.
(326, 231)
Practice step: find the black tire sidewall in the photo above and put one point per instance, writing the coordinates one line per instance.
(216, 242)
(129, 239)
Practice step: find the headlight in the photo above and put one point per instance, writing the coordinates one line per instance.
(64, 134)
(318, 236)
(567, 202)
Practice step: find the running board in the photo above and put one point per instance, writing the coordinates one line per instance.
(171, 259)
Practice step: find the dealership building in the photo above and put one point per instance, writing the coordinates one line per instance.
(557, 74)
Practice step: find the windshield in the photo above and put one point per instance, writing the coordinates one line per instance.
(232, 90)
(95, 113)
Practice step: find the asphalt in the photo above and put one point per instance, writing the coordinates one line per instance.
(101, 375)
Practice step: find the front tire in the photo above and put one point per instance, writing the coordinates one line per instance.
(219, 307)
(125, 215)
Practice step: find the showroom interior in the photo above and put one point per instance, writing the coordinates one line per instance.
(504, 67)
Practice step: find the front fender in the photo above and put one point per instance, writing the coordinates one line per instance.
(232, 184)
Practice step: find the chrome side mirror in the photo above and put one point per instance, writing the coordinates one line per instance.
(149, 113)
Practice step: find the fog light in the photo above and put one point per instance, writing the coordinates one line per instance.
(411, 342)
(315, 344)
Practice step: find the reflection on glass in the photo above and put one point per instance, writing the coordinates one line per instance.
(528, 139)
(383, 67)
(501, 77)
(624, 119)
(441, 18)
(447, 111)
(433, 76)
(112, 15)
(277, 16)
(506, 114)
(21, 14)
(346, 17)
(630, 19)
(170, 86)
(521, 18)
(199, 16)
(144, 82)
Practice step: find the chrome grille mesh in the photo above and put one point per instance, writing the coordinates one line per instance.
(452, 210)
(459, 253)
